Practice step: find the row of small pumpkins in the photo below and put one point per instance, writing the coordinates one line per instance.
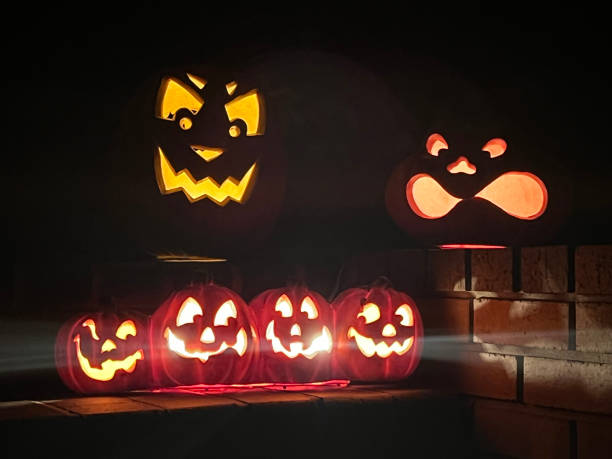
(207, 334)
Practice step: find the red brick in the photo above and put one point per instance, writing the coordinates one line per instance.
(594, 438)
(446, 269)
(486, 375)
(544, 269)
(572, 385)
(492, 270)
(506, 431)
(593, 269)
(445, 316)
(522, 323)
(594, 327)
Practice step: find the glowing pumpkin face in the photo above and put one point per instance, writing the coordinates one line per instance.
(295, 329)
(196, 117)
(203, 335)
(103, 352)
(439, 196)
(378, 333)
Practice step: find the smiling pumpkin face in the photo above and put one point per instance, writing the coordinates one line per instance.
(379, 333)
(203, 335)
(210, 122)
(104, 352)
(295, 329)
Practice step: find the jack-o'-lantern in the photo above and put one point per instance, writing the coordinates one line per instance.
(203, 335)
(467, 195)
(295, 326)
(218, 170)
(379, 334)
(104, 352)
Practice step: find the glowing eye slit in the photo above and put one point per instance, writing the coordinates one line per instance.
(405, 312)
(126, 329)
(89, 323)
(227, 310)
(309, 308)
(370, 312)
(189, 309)
(283, 305)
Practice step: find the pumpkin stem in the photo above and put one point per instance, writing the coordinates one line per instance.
(381, 282)
(298, 278)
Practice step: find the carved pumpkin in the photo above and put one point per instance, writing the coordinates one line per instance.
(104, 352)
(203, 335)
(295, 326)
(452, 196)
(218, 170)
(378, 334)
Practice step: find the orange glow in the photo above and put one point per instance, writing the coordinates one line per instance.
(370, 312)
(495, 147)
(109, 367)
(226, 311)
(248, 108)
(520, 194)
(89, 323)
(125, 329)
(470, 246)
(427, 198)
(177, 346)
(322, 343)
(283, 305)
(405, 312)
(435, 143)
(461, 165)
(173, 95)
(368, 348)
(169, 181)
(207, 153)
(231, 87)
(196, 80)
(309, 308)
(187, 312)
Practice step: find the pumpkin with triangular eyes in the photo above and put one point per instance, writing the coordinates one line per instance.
(451, 196)
(295, 326)
(379, 334)
(203, 334)
(104, 352)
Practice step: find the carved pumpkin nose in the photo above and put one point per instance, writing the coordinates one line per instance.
(108, 345)
(461, 166)
(207, 153)
(296, 330)
(389, 331)
(207, 336)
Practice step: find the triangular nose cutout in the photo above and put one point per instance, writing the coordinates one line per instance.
(295, 330)
(461, 166)
(208, 336)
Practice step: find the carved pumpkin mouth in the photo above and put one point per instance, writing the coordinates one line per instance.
(109, 367)
(369, 348)
(321, 343)
(519, 194)
(170, 181)
(177, 345)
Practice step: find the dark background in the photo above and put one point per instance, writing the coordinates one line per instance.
(362, 91)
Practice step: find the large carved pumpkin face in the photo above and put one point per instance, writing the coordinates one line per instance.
(103, 352)
(207, 125)
(379, 334)
(295, 329)
(440, 195)
(203, 335)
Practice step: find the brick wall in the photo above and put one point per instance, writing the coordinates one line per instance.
(528, 332)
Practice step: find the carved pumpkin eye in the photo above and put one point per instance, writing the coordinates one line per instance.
(309, 308)
(189, 309)
(405, 312)
(495, 147)
(125, 329)
(227, 310)
(435, 143)
(92, 328)
(370, 312)
(283, 305)
(185, 123)
(173, 95)
(248, 108)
